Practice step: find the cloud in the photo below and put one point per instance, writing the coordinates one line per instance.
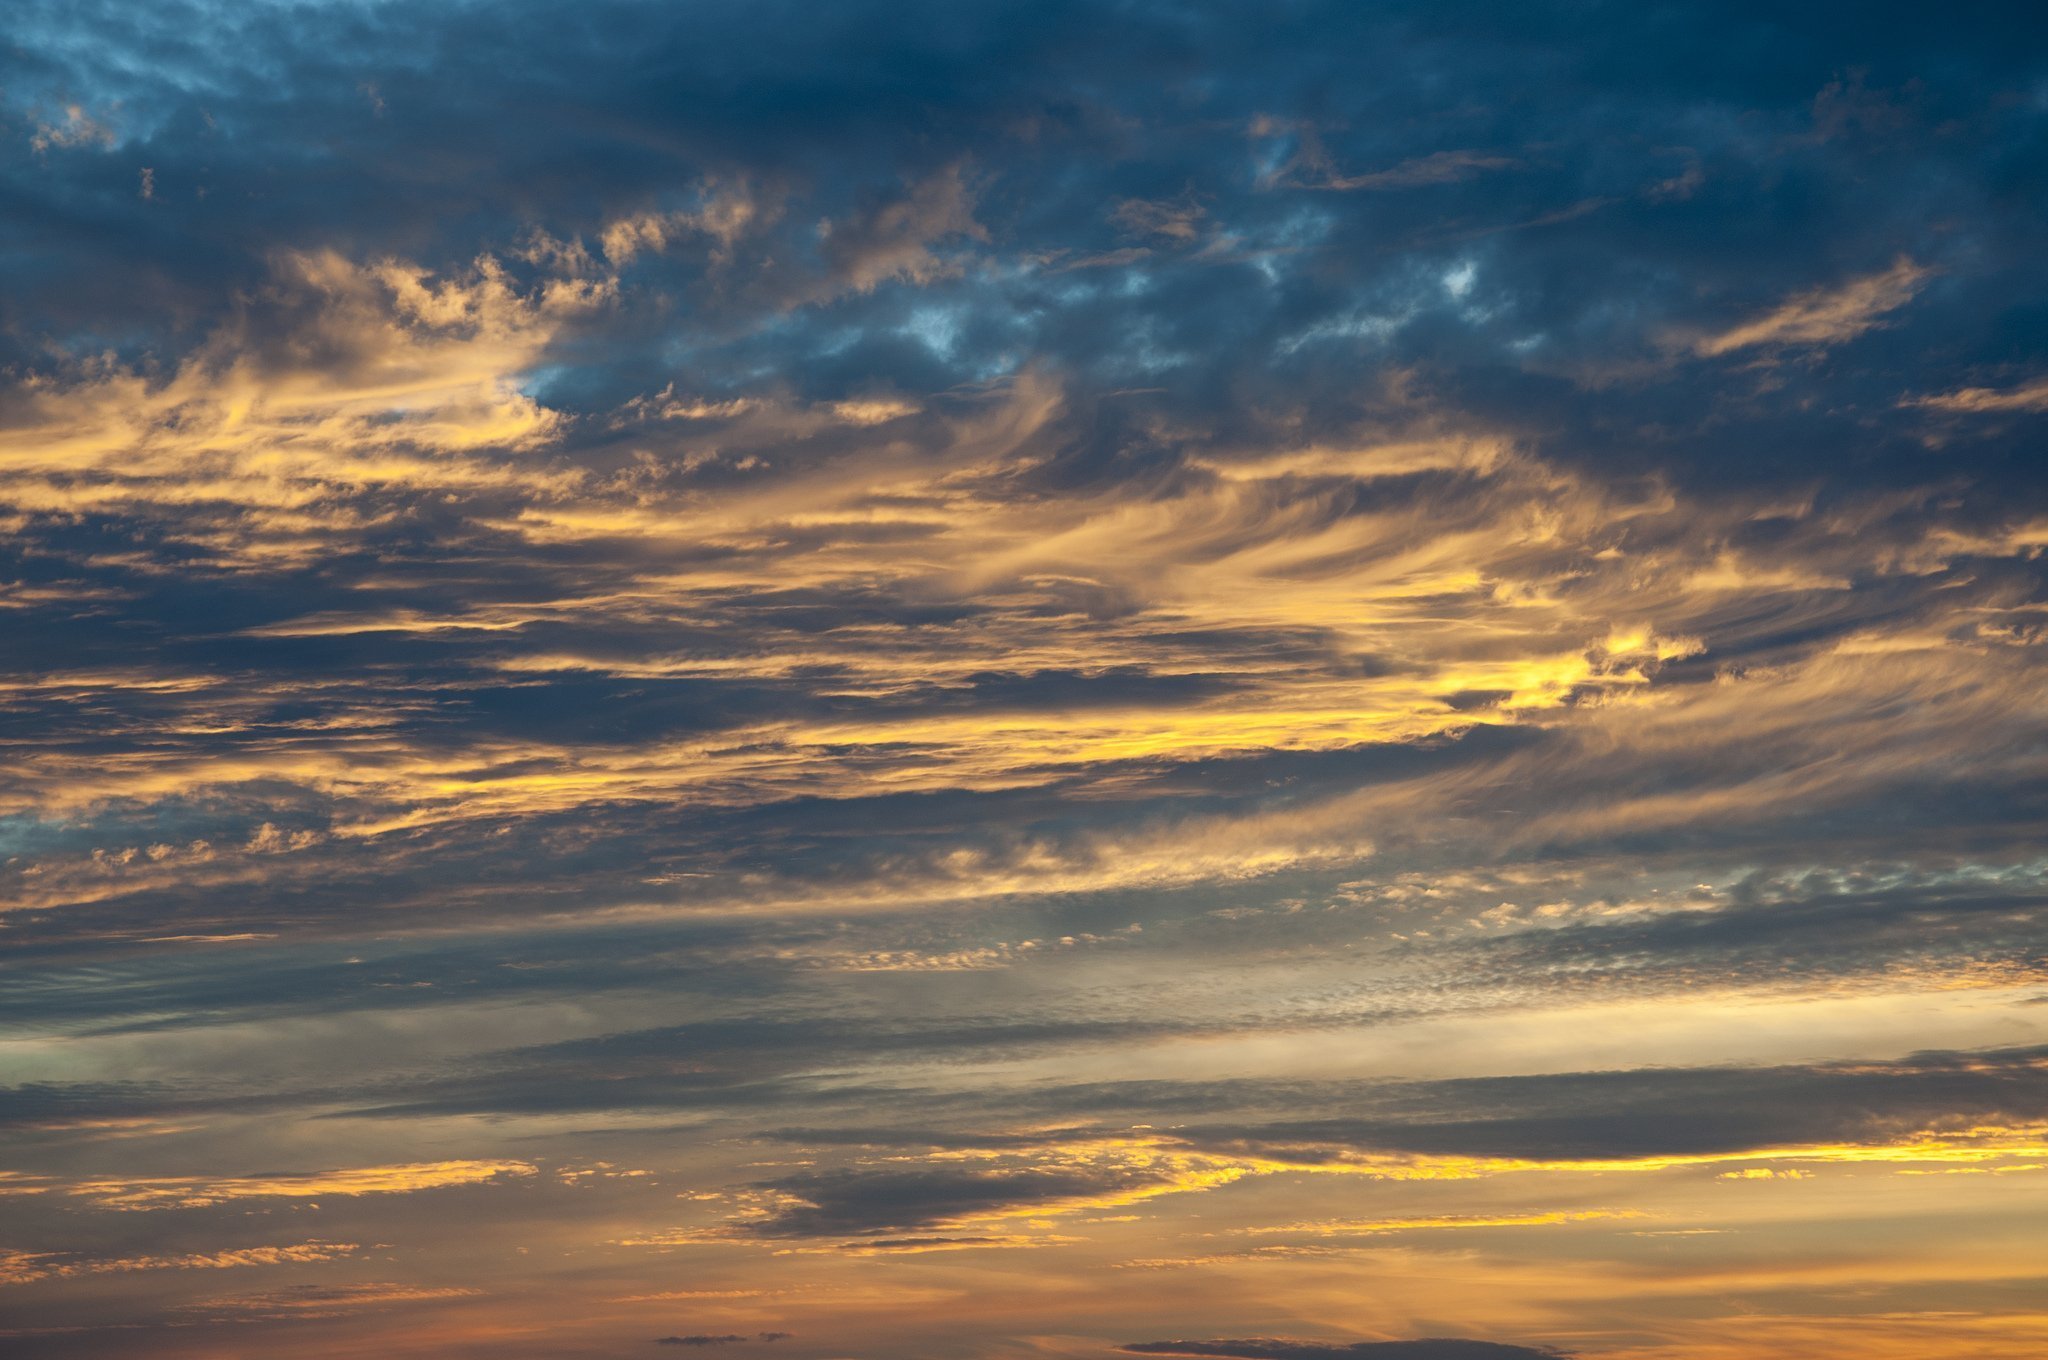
(348, 380)
(1428, 1348)
(324, 1300)
(1937, 1109)
(2026, 397)
(1032, 638)
(894, 238)
(17, 1267)
(1176, 219)
(1824, 317)
(1071, 1178)
(194, 1191)
(708, 1339)
(1311, 165)
(76, 128)
(1439, 167)
(724, 214)
(1452, 1222)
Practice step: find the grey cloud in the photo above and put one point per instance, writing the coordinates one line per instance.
(832, 1204)
(1270, 1348)
(1672, 1112)
(1646, 1112)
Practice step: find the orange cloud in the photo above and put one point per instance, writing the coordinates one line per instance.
(20, 1267)
(1822, 317)
(182, 1192)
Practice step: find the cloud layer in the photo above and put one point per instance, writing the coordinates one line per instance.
(950, 681)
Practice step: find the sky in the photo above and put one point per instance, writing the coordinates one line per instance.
(1023, 681)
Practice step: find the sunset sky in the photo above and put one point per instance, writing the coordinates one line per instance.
(1023, 681)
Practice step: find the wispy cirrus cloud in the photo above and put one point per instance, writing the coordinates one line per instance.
(186, 1192)
(2026, 397)
(18, 1267)
(1823, 317)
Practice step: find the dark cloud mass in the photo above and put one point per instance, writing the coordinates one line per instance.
(706, 1339)
(979, 678)
(1428, 1348)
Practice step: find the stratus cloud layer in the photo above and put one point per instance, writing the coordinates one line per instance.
(970, 682)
